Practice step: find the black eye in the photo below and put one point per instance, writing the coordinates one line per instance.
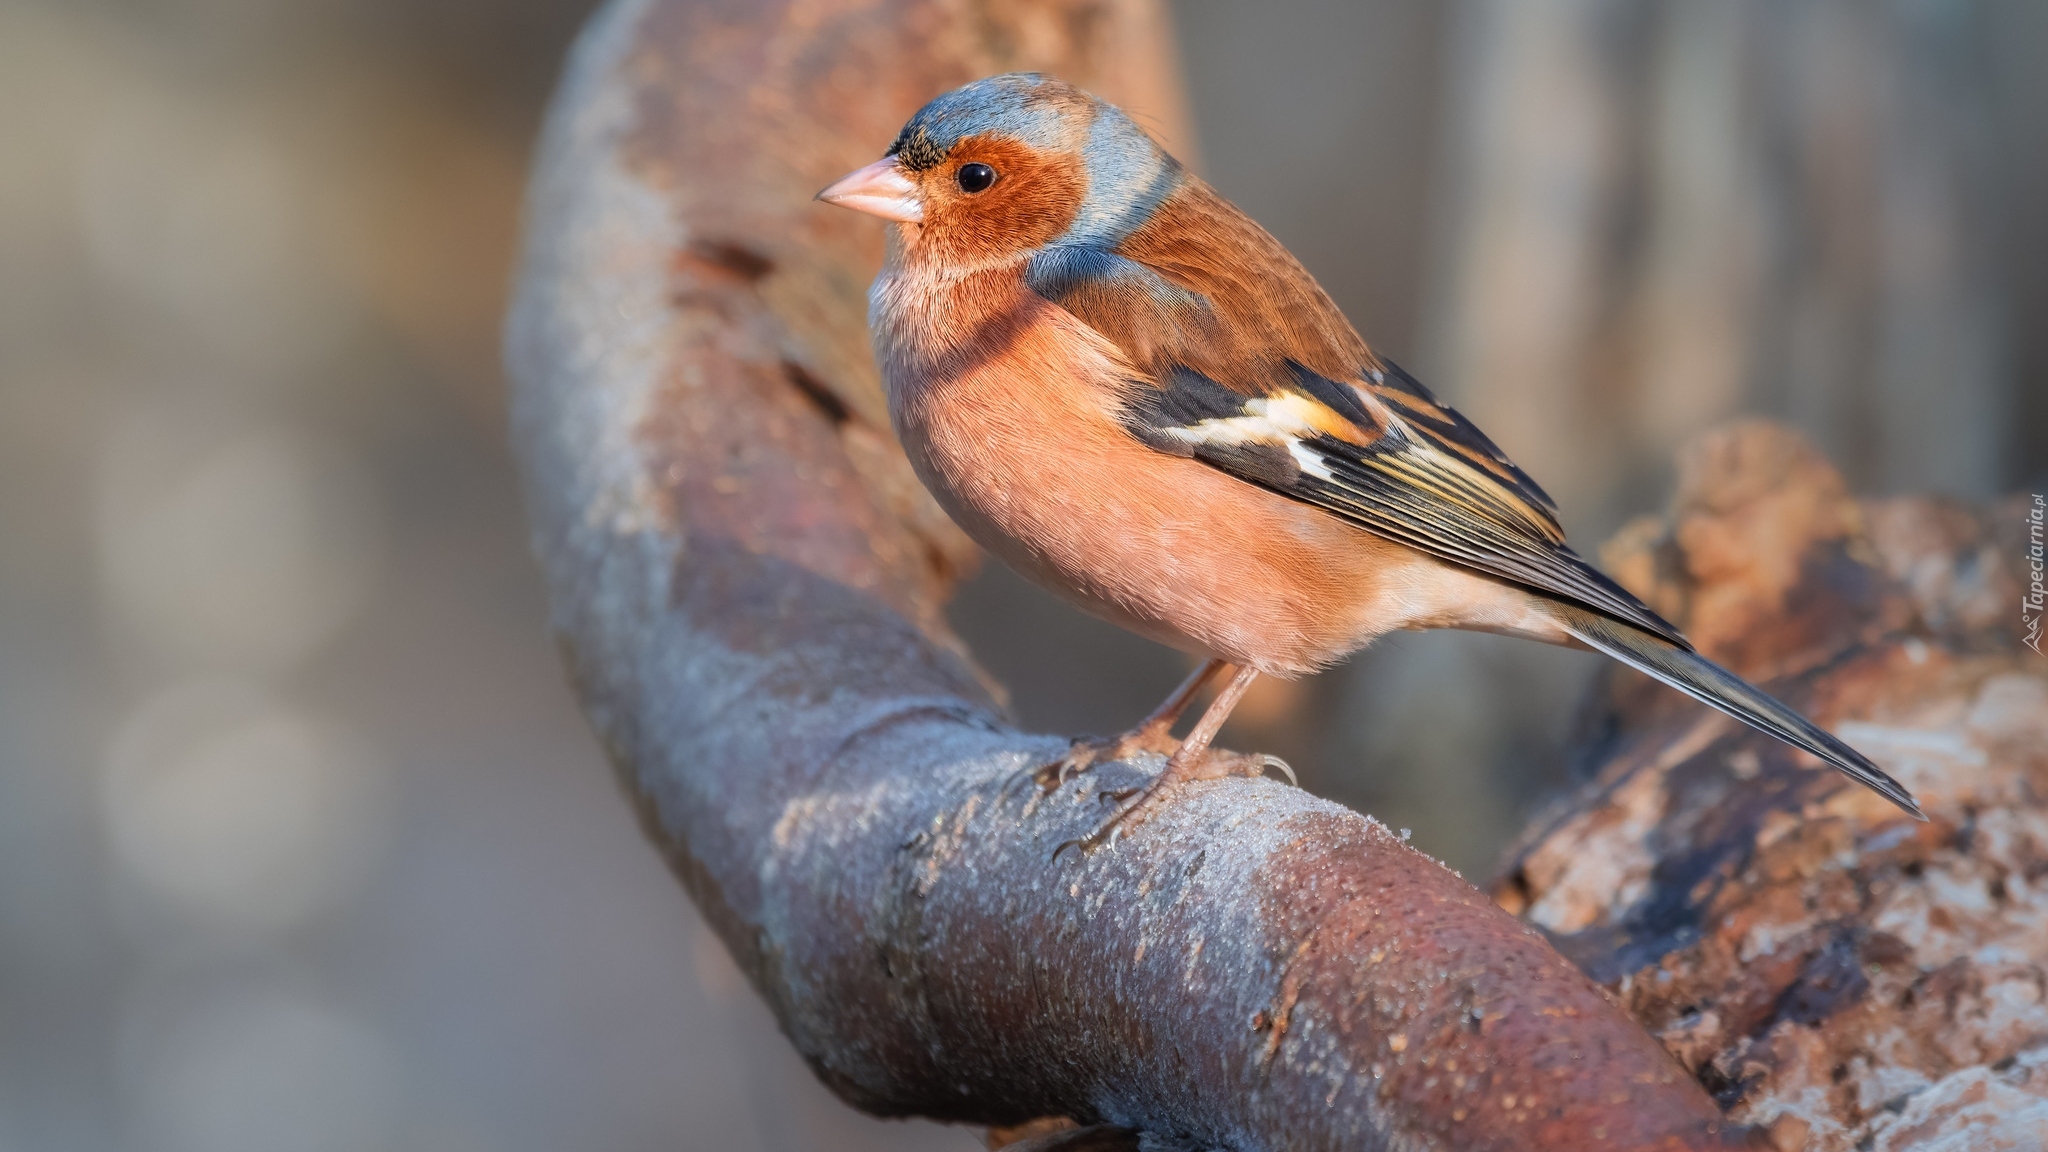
(975, 177)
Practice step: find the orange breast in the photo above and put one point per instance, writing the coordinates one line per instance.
(1017, 439)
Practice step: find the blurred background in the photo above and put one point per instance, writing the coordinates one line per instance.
(302, 842)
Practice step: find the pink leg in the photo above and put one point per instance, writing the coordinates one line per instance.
(1189, 756)
(1153, 734)
(1185, 763)
(1168, 713)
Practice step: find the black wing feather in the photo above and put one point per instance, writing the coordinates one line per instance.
(1404, 485)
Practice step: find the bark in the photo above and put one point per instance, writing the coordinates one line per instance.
(1832, 971)
(748, 585)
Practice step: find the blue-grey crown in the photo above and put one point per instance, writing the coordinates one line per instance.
(1128, 174)
(1016, 105)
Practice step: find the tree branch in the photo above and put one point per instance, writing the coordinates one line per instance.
(748, 583)
(1843, 975)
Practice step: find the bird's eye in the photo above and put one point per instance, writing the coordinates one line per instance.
(975, 177)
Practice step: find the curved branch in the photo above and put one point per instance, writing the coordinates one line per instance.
(748, 583)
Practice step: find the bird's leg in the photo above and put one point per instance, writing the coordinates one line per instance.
(1185, 764)
(1153, 734)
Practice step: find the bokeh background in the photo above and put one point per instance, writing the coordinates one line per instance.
(302, 842)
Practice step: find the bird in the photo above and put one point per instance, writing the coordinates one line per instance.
(1117, 382)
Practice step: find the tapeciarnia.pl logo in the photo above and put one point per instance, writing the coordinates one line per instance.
(2036, 599)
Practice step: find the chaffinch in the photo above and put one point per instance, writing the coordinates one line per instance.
(1119, 384)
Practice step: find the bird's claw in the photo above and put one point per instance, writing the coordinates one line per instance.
(1130, 801)
(1080, 757)
(1086, 753)
(1219, 764)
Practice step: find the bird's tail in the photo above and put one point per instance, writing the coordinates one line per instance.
(1716, 687)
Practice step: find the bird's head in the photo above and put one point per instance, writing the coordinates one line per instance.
(1010, 164)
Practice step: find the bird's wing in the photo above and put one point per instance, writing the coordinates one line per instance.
(1243, 363)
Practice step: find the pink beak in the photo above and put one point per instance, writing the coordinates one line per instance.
(880, 189)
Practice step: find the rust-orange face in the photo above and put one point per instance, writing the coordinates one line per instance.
(986, 198)
(1006, 166)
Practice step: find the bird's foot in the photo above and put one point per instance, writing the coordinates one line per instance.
(1132, 806)
(1087, 753)
(1135, 805)
(1219, 763)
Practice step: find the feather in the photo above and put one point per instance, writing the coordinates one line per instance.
(1118, 382)
(1718, 688)
(1396, 486)
(1246, 365)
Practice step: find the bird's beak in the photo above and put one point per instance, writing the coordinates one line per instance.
(880, 189)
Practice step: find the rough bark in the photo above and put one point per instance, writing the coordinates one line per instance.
(1843, 976)
(748, 585)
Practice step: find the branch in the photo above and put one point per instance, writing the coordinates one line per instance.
(1842, 975)
(748, 582)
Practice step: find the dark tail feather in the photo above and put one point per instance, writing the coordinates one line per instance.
(1716, 687)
